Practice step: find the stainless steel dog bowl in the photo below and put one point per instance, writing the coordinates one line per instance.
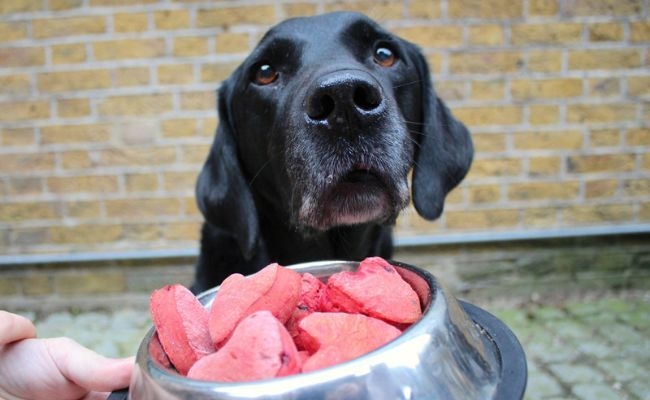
(456, 351)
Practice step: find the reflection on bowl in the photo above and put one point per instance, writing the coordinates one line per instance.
(455, 351)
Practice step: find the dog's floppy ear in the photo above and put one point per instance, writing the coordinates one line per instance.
(222, 192)
(444, 152)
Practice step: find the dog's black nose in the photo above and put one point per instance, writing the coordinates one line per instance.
(339, 96)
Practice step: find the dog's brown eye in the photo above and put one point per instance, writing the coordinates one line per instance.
(265, 74)
(385, 56)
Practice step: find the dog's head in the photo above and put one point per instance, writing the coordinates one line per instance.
(322, 124)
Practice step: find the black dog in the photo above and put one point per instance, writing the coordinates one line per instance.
(319, 129)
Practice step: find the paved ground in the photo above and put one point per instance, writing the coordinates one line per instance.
(588, 348)
(597, 347)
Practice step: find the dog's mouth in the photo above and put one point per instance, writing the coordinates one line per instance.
(360, 175)
(357, 196)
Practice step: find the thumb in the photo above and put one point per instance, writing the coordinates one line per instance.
(15, 327)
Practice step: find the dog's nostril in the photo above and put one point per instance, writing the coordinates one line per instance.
(366, 97)
(320, 107)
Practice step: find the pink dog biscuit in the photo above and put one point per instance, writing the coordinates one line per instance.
(260, 348)
(312, 293)
(181, 324)
(332, 338)
(274, 288)
(374, 289)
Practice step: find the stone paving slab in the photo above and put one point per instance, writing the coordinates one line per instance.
(593, 347)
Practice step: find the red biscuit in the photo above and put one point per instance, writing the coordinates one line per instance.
(375, 289)
(260, 348)
(181, 323)
(311, 294)
(274, 288)
(158, 353)
(332, 338)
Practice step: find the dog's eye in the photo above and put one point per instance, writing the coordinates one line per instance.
(385, 56)
(265, 74)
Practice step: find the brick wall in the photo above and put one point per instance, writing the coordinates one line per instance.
(107, 111)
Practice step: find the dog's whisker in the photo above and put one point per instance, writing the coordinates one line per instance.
(407, 84)
(415, 124)
(415, 165)
(259, 171)
(416, 133)
(415, 142)
(409, 122)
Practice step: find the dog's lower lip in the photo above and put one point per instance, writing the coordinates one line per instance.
(353, 202)
(358, 196)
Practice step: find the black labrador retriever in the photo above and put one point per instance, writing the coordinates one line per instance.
(319, 129)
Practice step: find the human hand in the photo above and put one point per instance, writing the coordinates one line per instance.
(52, 369)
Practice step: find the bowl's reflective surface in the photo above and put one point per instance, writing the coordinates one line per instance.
(443, 356)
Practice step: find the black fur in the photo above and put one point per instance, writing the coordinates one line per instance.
(314, 165)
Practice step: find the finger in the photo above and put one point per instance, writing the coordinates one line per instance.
(27, 371)
(88, 369)
(15, 327)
